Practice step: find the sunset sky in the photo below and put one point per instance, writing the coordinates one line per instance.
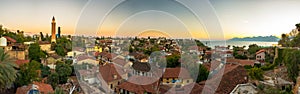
(238, 18)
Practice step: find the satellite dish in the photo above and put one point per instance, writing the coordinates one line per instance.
(3, 41)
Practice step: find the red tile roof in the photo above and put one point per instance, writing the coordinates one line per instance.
(84, 72)
(84, 57)
(120, 61)
(42, 87)
(139, 88)
(176, 73)
(241, 62)
(260, 51)
(213, 65)
(80, 49)
(108, 71)
(43, 42)
(21, 62)
(232, 75)
(10, 39)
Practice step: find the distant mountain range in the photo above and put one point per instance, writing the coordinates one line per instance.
(257, 38)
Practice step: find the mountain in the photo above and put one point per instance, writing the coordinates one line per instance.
(257, 38)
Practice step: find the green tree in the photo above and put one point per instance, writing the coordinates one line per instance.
(203, 73)
(60, 50)
(173, 61)
(8, 73)
(35, 52)
(45, 71)
(291, 61)
(284, 41)
(253, 48)
(64, 71)
(256, 73)
(28, 73)
(53, 79)
(59, 91)
(296, 41)
(65, 43)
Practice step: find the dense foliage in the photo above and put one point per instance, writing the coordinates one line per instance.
(292, 60)
(64, 71)
(8, 73)
(45, 71)
(256, 73)
(53, 79)
(173, 61)
(28, 73)
(203, 73)
(35, 52)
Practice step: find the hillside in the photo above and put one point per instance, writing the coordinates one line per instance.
(257, 38)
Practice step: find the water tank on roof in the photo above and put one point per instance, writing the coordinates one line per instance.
(3, 41)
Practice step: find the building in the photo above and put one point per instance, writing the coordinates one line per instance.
(89, 75)
(45, 46)
(110, 77)
(192, 88)
(260, 55)
(14, 49)
(53, 30)
(81, 59)
(244, 89)
(76, 51)
(134, 85)
(35, 88)
(122, 62)
(176, 76)
(242, 62)
(224, 82)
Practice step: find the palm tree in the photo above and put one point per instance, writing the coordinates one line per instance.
(8, 73)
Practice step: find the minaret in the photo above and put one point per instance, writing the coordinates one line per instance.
(53, 32)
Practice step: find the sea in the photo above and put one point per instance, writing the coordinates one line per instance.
(212, 44)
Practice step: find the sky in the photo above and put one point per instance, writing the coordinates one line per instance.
(235, 18)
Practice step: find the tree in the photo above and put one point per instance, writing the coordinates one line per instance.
(28, 73)
(60, 50)
(203, 73)
(237, 55)
(172, 61)
(35, 52)
(45, 71)
(59, 91)
(256, 73)
(8, 73)
(253, 48)
(292, 60)
(53, 79)
(42, 36)
(296, 41)
(65, 43)
(63, 70)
